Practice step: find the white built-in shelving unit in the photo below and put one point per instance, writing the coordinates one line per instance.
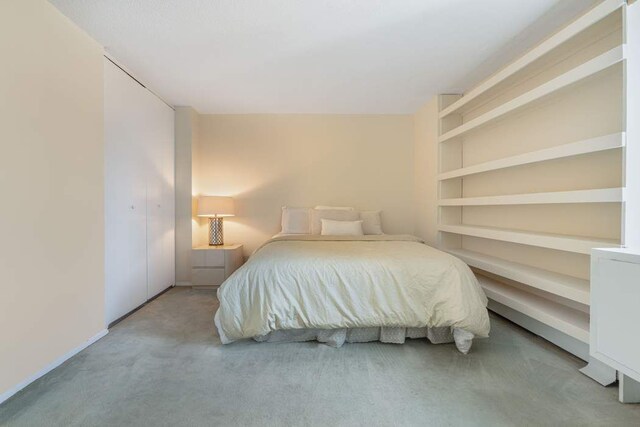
(541, 140)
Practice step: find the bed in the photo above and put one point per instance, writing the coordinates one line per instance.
(337, 289)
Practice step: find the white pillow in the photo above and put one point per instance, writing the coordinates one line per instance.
(341, 228)
(371, 223)
(296, 220)
(336, 208)
(334, 214)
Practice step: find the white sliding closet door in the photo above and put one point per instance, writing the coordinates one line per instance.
(139, 194)
(125, 194)
(160, 198)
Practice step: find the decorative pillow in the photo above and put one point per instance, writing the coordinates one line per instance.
(296, 220)
(371, 223)
(341, 228)
(334, 214)
(336, 208)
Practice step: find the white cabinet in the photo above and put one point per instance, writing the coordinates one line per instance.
(211, 265)
(139, 194)
(615, 314)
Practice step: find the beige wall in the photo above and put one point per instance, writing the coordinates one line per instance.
(426, 171)
(51, 182)
(267, 161)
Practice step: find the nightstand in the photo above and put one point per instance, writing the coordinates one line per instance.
(211, 265)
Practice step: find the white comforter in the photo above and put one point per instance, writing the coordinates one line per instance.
(333, 282)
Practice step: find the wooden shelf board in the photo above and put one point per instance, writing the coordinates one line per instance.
(567, 79)
(579, 25)
(570, 321)
(592, 145)
(605, 195)
(582, 245)
(562, 285)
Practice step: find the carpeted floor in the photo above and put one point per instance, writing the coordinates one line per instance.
(164, 366)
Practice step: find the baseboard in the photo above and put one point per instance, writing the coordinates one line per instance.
(124, 316)
(183, 283)
(50, 367)
(214, 287)
(562, 340)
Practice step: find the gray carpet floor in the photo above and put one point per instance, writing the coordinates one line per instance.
(164, 366)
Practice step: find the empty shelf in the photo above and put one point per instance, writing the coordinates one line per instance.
(596, 14)
(582, 245)
(605, 195)
(562, 285)
(592, 145)
(570, 321)
(589, 68)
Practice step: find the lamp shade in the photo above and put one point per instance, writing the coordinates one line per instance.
(215, 206)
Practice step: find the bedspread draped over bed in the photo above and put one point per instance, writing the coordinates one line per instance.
(352, 288)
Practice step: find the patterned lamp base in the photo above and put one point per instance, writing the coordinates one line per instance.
(216, 237)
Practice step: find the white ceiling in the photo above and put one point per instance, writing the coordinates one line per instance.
(314, 56)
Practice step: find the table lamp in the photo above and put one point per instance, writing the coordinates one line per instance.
(215, 208)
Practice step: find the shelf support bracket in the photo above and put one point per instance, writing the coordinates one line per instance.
(599, 372)
(629, 391)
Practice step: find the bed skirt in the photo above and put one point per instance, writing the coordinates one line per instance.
(394, 335)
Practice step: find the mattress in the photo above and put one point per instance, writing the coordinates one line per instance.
(338, 289)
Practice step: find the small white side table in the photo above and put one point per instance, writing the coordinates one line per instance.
(211, 265)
